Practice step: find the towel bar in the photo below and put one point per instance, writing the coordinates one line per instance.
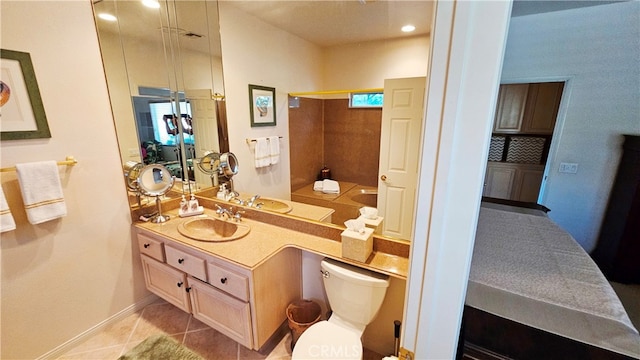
(69, 161)
(249, 141)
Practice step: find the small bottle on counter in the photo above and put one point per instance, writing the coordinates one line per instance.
(222, 192)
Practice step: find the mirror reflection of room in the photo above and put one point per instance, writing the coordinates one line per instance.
(166, 108)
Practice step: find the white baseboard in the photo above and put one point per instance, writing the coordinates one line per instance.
(80, 338)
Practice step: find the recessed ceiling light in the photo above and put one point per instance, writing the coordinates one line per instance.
(408, 28)
(108, 17)
(151, 3)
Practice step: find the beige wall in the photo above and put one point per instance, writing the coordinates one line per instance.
(254, 52)
(366, 65)
(63, 277)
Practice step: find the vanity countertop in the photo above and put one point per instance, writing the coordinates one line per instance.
(265, 240)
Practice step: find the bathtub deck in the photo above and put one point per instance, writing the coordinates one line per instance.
(346, 204)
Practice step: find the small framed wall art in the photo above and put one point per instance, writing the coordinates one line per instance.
(22, 114)
(262, 100)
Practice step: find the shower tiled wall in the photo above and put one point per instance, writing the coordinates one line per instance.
(328, 132)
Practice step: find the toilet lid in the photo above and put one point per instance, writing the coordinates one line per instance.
(325, 340)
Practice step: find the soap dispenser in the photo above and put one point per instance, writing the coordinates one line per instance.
(193, 204)
(184, 205)
(222, 192)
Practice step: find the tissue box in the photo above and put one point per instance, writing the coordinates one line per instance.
(357, 246)
(375, 224)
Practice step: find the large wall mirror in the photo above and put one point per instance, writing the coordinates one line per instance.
(357, 45)
(163, 66)
(167, 61)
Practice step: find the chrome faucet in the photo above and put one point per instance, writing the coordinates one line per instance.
(229, 213)
(222, 212)
(252, 201)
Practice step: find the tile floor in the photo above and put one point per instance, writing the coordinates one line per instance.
(161, 317)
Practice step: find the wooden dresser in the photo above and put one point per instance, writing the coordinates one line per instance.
(618, 250)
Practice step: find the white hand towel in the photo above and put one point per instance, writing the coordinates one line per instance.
(274, 149)
(330, 186)
(317, 186)
(262, 156)
(41, 191)
(6, 219)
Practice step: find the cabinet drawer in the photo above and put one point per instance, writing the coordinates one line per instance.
(151, 247)
(188, 263)
(228, 281)
(222, 312)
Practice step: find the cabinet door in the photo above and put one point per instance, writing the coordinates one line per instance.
(510, 109)
(542, 108)
(527, 185)
(222, 312)
(166, 282)
(499, 181)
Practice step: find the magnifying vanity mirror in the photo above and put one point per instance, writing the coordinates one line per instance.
(155, 180)
(131, 172)
(164, 71)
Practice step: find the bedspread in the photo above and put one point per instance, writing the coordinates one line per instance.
(527, 269)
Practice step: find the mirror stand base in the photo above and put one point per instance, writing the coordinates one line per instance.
(160, 219)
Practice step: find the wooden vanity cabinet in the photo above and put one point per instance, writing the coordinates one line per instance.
(166, 282)
(222, 312)
(247, 305)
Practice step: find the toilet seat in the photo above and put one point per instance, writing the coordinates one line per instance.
(326, 340)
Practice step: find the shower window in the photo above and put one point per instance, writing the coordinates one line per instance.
(366, 100)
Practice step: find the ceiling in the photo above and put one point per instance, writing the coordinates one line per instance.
(329, 23)
(334, 22)
(322, 22)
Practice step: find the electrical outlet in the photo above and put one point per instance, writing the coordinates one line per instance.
(568, 168)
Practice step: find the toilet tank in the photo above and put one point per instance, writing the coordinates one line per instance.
(355, 294)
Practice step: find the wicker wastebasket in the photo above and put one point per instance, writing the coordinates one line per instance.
(301, 314)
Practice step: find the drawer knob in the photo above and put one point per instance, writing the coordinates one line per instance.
(146, 245)
(180, 284)
(188, 289)
(223, 280)
(180, 261)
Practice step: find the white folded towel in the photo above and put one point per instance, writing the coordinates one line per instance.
(330, 186)
(41, 191)
(317, 186)
(262, 155)
(6, 219)
(274, 149)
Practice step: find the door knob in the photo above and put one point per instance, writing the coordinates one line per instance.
(383, 177)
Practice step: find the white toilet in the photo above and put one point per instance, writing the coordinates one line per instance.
(355, 296)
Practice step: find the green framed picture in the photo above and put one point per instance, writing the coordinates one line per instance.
(22, 114)
(262, 101)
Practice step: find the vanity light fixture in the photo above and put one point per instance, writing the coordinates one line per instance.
(107, 17)
(408, 28)
(151, 4)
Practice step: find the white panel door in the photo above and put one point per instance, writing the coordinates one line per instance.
(402, 116)
(205, 128)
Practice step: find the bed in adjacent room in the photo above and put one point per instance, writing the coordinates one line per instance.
(534, 292)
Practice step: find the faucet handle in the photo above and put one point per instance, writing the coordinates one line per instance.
(238, 215)
(219, 210)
